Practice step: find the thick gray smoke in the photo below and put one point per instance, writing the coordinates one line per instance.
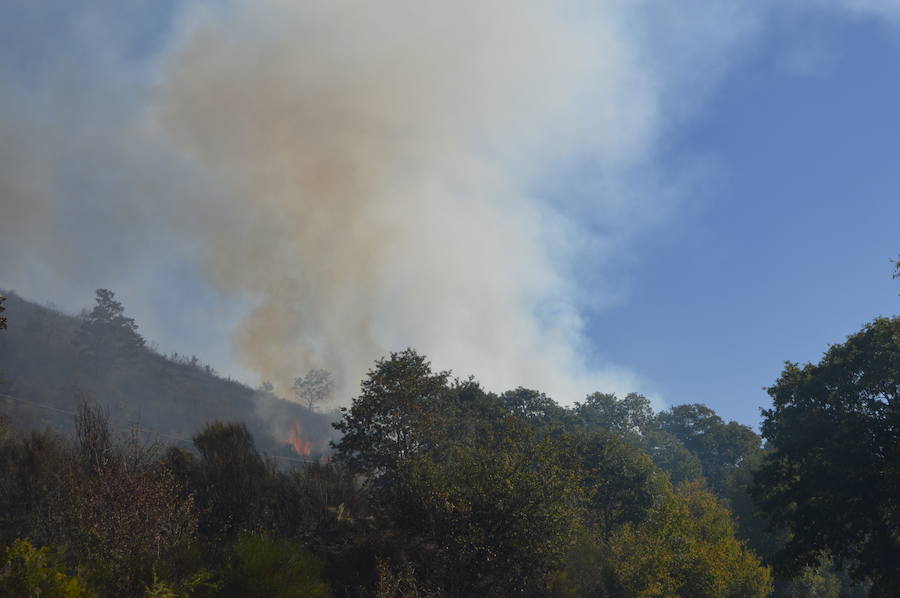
(321, 182)
(371, 174)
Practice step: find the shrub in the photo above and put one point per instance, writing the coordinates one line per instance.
(264, 567)
(30, 572)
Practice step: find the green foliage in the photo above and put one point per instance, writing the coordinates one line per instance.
(721, 447)
(122, 521)
(438, 489)
(622, 483)
(461, 414)
(687, 548)
(389, 421)
(498, 517)
(114, 506)
(32, 478)
(199, 584)
(398, 582)
(628, 416)
(670, 455)
(2, 309)
(29, 572)
(122, 510)
(587, 571)
(535, 407)
(752, 525)
(230, 474)
(832, 478)
(813, 582)
(106, 333)
(261, 566)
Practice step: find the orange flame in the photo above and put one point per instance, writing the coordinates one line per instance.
(301, 445)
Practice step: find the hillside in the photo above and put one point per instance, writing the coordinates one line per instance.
(437, 487)
(45, 372)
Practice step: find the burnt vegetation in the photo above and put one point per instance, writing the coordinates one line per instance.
(125, 472)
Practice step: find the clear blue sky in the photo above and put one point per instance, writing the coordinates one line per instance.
(789, 249)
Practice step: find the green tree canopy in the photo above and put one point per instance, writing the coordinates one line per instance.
(670, 455)
(106, 332)
(630, 415)
(388, 422)
(721, 447)
(687, 548)
(621, 480)
(534, 406)
(833, 476)
(230, 474)
(495, 518)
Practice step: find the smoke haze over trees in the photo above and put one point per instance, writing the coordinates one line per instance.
(315, 172)
(51, 361)
(272, 227)
(436, 486)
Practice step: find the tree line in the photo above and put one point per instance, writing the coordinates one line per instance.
(437, 487)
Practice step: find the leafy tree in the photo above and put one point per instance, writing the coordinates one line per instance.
(813, 582)
(313, 388)
(720, 447)
(493, 519)
(230, 474)
(30, 482)
(687, 548)
(2, 309)
(470, 492)
(833, 476)
(389, 421)
(464, 410)
(752, 525)
(628, 416)
(261, 566)
(670, 455)
(622, 483)
(534, 406)
(122, 510)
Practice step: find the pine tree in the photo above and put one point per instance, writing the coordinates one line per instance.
(106, 333)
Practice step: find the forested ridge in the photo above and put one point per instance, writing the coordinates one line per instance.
(126, 472)
(52, 361)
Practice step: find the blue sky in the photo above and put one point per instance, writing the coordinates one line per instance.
(616, 196)
(788, 250)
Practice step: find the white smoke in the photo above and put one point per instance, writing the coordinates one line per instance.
(355, 177)
(371, 177)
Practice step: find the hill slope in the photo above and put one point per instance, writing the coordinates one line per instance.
(45, 372)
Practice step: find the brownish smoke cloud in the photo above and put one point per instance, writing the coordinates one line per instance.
(316, 183)
(370, 172)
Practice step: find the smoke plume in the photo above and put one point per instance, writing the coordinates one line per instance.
(322, 182)
(369, 178)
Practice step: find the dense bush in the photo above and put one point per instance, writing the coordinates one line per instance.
(437, 489)
(29, 572)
